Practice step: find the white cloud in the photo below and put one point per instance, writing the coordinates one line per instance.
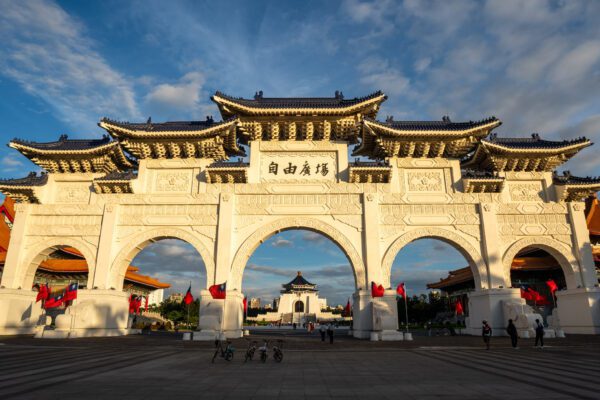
(279, 242)
(47, 52)
(378, 74)
(184, 97)
(11, 162)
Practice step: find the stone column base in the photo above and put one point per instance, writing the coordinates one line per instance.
(579, 310)
(205, 335)
(19, 313)
(487, 305)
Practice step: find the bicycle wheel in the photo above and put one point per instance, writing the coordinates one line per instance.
(278, 356)
(229, 355)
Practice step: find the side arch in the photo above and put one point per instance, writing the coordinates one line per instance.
(471, 254)
(141, 240)
(556, 249)
(260, 235)
(42, 250)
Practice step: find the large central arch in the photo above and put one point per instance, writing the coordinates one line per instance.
(260, 235)
(471, 254)
(141, 240)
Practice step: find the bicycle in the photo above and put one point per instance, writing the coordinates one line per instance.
(226, 353)
(250, 350)
(278, 351)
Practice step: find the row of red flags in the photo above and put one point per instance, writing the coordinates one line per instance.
(44, 295)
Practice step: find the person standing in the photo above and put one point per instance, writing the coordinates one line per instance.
(486, 333)
(330, 333)
(539, 333)
(322, 331)
(511, 329)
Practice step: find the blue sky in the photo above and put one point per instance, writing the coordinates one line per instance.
(65, 64)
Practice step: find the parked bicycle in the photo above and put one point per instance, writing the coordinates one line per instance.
(277, 351)
(250, 350)
(225, 352)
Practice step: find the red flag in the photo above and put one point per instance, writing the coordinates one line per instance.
(245, 303)
(132, 301)
(43, 293)
(400, 291)
(71, 292)
(458, 308)
(552, 285)
(54, 302)
(377, 290)
(348, 309)
(146, 304)
(535, 296)
(188, 299)
(525, 294)
(218, 291)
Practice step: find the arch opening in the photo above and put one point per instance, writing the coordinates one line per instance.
(534, 271)
(437, 278)
(298, 276)
(157, 277)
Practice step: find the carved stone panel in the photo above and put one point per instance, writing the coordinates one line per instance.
(75, 192)
(173, 181)
(168, 215)
(425, 181)
(526, 191)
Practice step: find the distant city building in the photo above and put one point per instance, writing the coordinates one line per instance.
(268, 307)
(276, 303)
(254, 303)
(175, 297)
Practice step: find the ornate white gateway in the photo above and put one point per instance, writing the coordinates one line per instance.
(489, 197)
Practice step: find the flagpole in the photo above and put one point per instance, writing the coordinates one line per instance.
(406, 307)
(188, 310)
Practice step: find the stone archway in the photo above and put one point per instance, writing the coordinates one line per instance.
(141, 240)
(255, 239)
(42, 251)
(471, 254)
(556, 249)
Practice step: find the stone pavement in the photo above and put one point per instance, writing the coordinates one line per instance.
(161, 366)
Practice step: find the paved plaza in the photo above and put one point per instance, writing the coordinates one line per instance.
(163, 366)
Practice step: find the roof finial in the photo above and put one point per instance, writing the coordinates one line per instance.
(209, 118)
(299, 273)
(446, 118)
(258, 95)
(389, 118)
(535, 136)
(149, 120)
(63, 137)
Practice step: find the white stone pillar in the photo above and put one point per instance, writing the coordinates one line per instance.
(104, 275)
(13, 275)
(370, 238)
(224, 240)
(582, 249)
(233, 314)
(487, 305)
(490, 240)
(385, 317)
(362, 314)
(95, 313)
(210, 318)
(579, 310)
(19, 313)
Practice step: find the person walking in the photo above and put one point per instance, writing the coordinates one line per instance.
(486, 333)
(539, 333)
(322, 331)
(511, 329)
(330, 333)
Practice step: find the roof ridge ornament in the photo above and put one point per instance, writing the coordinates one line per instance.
(339, 95)
(446, 119)
(63, 138)
(258, 95)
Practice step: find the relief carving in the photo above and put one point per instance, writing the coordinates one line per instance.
(172, 181)
(526, 191)
(425, 181)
